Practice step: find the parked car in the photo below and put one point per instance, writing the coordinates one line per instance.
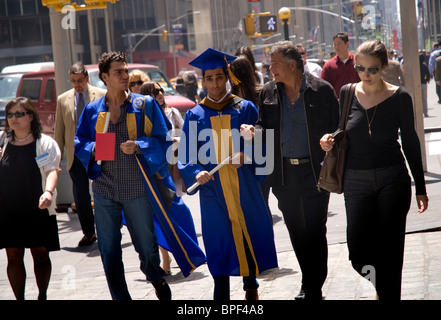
(37, 82)
(10, 78)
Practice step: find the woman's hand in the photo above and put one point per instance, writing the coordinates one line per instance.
(45, 200)
(422, 203)
(327, 142)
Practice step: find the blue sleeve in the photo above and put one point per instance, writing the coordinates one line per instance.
(85, 141)
(188, 152)
(156, 148)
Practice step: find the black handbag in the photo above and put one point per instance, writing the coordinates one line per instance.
(332, 171)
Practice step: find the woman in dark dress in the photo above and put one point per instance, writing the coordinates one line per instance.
(28, 175)
(377, 186)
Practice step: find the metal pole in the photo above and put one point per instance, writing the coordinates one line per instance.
(286, 29)
(412, 67)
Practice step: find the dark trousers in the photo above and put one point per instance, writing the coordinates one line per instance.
(305, 210)
(80, 186)
(222, 283)
(377, 202)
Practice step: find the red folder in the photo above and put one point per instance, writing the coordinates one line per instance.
(105, 146)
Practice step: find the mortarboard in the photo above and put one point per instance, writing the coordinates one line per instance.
(212, 59)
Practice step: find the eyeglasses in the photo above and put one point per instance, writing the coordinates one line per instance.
(155, 91)
(372, 70)
(72, 80)
(137, 83)
(17, 115)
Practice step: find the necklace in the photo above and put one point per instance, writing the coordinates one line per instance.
(24, 139)
(372, 119)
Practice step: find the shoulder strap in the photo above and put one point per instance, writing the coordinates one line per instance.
(347, 101)
(2, 138)
(233, 101)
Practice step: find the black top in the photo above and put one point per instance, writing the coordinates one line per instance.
(20, 179)
(22, 223)
(382, 148)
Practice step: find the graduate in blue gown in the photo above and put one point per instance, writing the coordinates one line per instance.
(236, 226)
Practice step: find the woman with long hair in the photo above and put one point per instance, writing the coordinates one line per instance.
(155, 90)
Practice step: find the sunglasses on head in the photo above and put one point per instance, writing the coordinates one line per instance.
(17, 114)
(372, 70)
(137, 83)
(155, 91)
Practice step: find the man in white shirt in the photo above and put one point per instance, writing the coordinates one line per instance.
(311, 67)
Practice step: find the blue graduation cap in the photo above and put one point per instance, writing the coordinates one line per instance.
(212, 59)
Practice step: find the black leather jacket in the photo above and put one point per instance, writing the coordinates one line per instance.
(322, 116)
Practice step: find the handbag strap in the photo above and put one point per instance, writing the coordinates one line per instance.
(348, 96)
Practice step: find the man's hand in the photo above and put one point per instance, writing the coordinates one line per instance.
(203, 177)
(237, 160)
(247, 131)
(129, 147)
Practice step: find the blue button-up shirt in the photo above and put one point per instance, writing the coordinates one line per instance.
(294, 127)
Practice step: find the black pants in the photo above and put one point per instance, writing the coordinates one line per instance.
(377, 202)
(305, 210)
(222, 283)
(80, 185)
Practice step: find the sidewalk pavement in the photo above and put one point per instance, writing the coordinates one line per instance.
(77, 273)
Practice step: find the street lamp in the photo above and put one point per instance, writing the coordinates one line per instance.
(285, 16)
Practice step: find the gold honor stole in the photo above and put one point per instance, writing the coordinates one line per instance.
(148, 126)
(229, 180)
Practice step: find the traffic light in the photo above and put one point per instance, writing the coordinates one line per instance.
(268, 24)
(250, 28)
(164, 35)
(49, 3)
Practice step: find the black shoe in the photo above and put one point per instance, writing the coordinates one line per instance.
(162, 290)
(87, 240)
(303, 296)
(300, 295)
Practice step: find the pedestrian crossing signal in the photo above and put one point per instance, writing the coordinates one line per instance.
(268, 24)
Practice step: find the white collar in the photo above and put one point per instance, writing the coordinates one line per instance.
(220, 100)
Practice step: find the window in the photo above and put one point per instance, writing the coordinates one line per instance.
(49, 89)
(29, 7)
(26, 33)
(30, 88)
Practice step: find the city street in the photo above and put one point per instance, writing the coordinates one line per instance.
(77, 273)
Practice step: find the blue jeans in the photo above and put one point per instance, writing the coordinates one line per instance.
(139, 217)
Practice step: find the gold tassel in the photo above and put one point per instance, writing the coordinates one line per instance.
(232, 76)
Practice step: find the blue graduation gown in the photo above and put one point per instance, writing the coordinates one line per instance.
(174, 227)
(234, 215)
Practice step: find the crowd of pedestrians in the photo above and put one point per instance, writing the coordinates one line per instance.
(150, 160)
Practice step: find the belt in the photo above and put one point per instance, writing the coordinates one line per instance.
(296, 162)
